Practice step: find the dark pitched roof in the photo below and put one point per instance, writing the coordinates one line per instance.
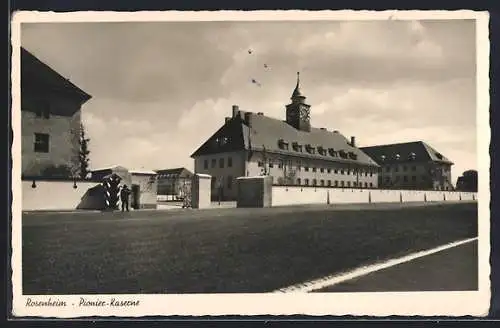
(174, 172)
(270, 133)
(37, 75)
(418, 150)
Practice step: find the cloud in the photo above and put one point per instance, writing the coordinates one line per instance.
(160, 89)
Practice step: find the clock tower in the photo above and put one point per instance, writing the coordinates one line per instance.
(298, 112)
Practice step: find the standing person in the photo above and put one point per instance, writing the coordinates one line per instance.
(124, 196)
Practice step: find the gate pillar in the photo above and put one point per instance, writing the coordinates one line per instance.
(201, 191)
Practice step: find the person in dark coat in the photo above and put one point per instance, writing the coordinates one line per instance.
(124, 196)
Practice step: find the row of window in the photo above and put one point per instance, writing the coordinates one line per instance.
(405, 178)
(322, 170)
(336, 183)
(222, 162)
(282, 144)
(406, 168)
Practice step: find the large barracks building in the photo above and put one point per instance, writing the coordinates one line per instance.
(290, 150)
(296, 154)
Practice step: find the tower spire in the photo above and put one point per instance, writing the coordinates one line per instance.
(296, 92)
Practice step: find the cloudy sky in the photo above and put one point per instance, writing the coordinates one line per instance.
(160, 89)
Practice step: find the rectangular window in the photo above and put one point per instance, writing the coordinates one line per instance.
(298, 181)
(396, 169)
(336, 183)
(371, 185)
(280, 164)
(229, 182)
(322, 183)
(205, 164)
(322, 170)
(229, 162)
(413, 178)
(342, 183)
(314, 182)
(366, 184)
(329, 170)
(413, 168)
(404, 168)
(214, 162)
(221, 163)
(42, 143)
(260, 164)
(314, 169)
(348, 183)
(336, 171)
(306, 168)
(306, 182)
(329, 183)
(341, 171)
(405, 178)
(355, 184)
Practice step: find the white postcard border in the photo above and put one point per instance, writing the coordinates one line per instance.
(474, 303)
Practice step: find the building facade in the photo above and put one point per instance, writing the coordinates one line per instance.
(174, 182)
(291, 151)
(50, 119)
(411, 165)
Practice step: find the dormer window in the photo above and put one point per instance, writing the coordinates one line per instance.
(439, 156)
(321, 150)
(343, 153)
(352, 155)
(310, 149)
(412, 156)
(295, 146)
(332, 152)
(282, 144)
(382, 158)
(397, 156)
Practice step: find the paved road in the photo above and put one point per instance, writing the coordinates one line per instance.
(225, 250)
(455, 269)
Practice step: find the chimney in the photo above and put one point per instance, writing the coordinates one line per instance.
(228, 119)
(324, 129)
(248, 118)
(335, 131)
(353, 141)
(235, 110)
(260, 113)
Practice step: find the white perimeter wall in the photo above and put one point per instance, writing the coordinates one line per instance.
(282, 196)
(53, 195)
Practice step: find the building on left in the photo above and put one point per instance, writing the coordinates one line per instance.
(50, 118)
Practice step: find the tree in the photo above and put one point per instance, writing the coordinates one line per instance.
(289, 172)
(83, 153)
(265, 162)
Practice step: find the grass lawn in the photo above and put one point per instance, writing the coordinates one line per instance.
(224, 250)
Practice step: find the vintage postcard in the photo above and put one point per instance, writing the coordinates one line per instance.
(250, 163)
